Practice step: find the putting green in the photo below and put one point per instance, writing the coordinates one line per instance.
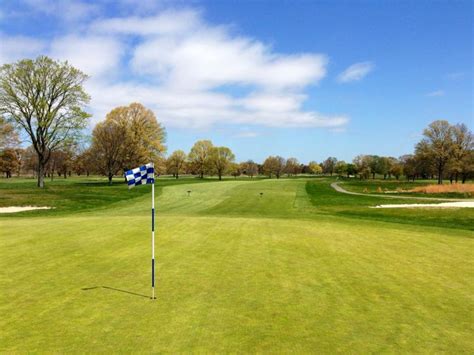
(299, 269)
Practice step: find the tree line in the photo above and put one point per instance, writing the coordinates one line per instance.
(43, 100)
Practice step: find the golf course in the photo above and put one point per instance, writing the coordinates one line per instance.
(242, 265)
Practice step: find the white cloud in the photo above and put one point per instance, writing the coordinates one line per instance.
(207, 58)
(435, 93)
(246, 134)
(19, 47)
(94, 55)
(355, 72)
(192, 73)
(171, 22)
(64, 10)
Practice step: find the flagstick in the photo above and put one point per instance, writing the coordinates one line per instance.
(153, 240)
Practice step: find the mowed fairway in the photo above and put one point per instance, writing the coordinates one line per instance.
(301, 269)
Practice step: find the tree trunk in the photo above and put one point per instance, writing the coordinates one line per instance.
(40, 182)
(202, 174)
(440, 174)
(110, 176)
(220, 175)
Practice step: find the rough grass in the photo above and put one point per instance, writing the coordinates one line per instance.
(301, 269)
(408, 188)
(441, 189)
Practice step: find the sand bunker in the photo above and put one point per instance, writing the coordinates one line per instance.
(462, 204)
(21, 209)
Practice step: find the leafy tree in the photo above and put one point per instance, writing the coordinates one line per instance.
(199, 157)
(221, 157)
(328, 165)
(108, 148)
(463, 145)
(373, 164)
(8, 135)
(409, 165)
(292, 166)
(176, 163)
(249, 168)
(361, 163)
(351, 170)
(269, 166)
(315, 168)
(341, 167)
(383, 165)
(129, 136)
(9, 162)
(437, 145)
(280, 166)
(235, 170)
(396, 168)
(45, 98)
(467, 166)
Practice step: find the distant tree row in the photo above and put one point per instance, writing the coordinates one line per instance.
(43, 100)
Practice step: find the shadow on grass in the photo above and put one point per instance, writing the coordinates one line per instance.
(114, 289)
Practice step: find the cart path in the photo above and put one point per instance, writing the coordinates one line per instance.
(335, 186)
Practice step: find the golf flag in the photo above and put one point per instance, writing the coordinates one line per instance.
(142, 175)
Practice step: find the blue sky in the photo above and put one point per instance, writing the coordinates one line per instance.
(304, 79)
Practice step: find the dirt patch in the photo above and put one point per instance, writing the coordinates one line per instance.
(467, 204)
(13, 209)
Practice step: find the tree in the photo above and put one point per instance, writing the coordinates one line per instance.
(361, 163)
(279, 166)
(9, 162)
(467, 166)
(8, 135)
(270, 165)
(292, 166)
(328, 165)
(409, 165)
(234, 170)
(199, 157)
(249, 168)
(396, 168)
(463, 145)
(341, 168)
(45, 98)
(383, 165)
(129, 136)
(437, 146)
(221, 157)
(315, 168)
(176, 163)
(145, 136)
(108, 148)
(373, 163)
(351, 170)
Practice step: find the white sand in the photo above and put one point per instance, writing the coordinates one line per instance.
(21, 209)
(432, 205)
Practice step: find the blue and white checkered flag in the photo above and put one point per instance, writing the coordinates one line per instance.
(144, 174)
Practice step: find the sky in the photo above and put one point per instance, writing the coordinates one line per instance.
(304, 79)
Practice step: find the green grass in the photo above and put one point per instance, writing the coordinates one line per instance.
(300, 269)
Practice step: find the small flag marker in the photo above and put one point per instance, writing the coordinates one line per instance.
(140, 176)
